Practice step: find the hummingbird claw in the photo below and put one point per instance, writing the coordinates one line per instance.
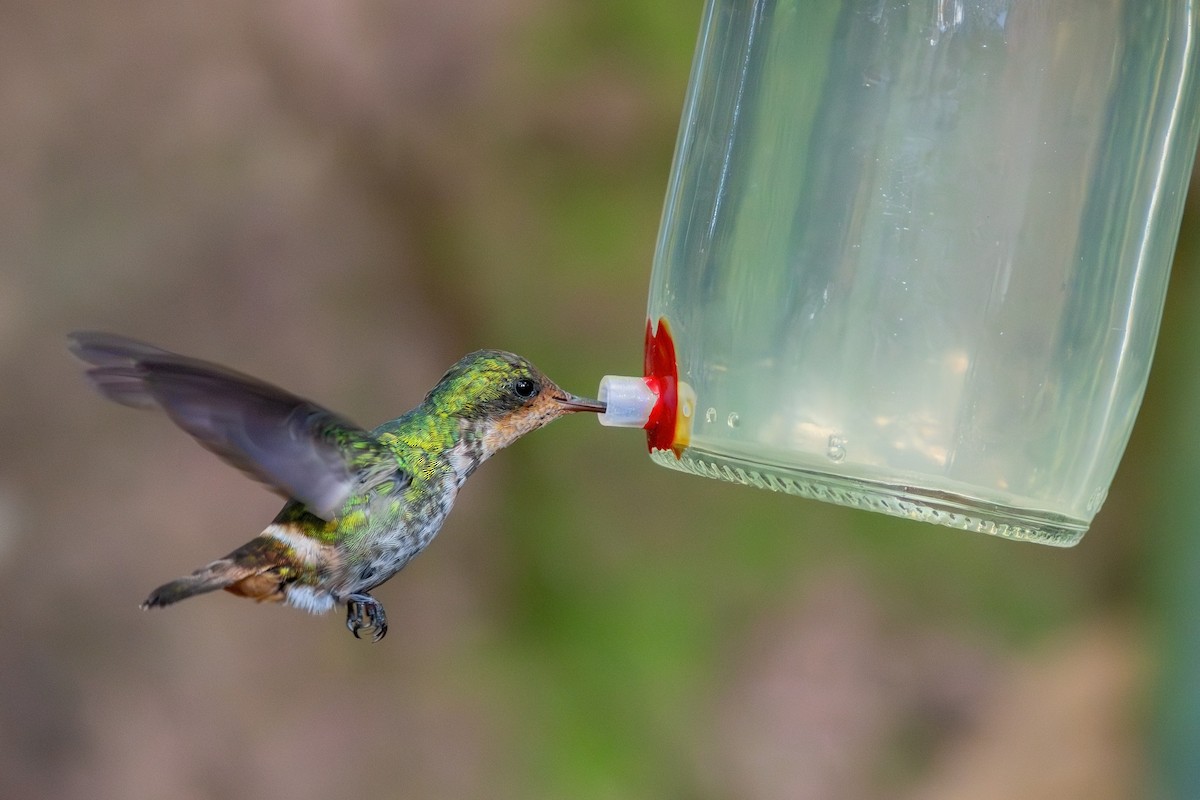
(365, 613)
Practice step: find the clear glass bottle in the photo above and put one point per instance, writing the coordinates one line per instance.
(914, 254)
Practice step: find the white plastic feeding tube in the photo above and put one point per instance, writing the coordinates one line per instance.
(629, 400)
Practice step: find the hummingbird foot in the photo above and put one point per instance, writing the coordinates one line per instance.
(365, 613)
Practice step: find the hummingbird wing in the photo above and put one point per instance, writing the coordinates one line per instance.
(298, 448)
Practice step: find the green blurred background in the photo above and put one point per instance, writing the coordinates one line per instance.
(343, 197)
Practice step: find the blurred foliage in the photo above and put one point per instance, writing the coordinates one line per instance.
(1170, 590)
(343, 198)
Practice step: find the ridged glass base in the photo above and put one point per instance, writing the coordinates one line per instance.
(911, 502)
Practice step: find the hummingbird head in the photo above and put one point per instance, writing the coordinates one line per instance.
(503, 396)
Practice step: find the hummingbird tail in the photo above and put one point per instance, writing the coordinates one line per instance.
(222, 574)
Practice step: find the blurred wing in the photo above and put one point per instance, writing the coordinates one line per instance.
(297, 447)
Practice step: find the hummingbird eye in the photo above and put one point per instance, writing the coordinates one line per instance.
(524, 387)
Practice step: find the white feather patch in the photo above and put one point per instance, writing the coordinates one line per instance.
(462, 464)
(314, 601)
(306, 548)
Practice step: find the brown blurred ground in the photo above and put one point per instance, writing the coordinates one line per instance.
(343, 197)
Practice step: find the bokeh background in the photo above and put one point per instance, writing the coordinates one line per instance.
(343, 196)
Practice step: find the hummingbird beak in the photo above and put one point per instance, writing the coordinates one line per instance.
(570, 402)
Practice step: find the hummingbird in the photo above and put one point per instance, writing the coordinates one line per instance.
(360, 504)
